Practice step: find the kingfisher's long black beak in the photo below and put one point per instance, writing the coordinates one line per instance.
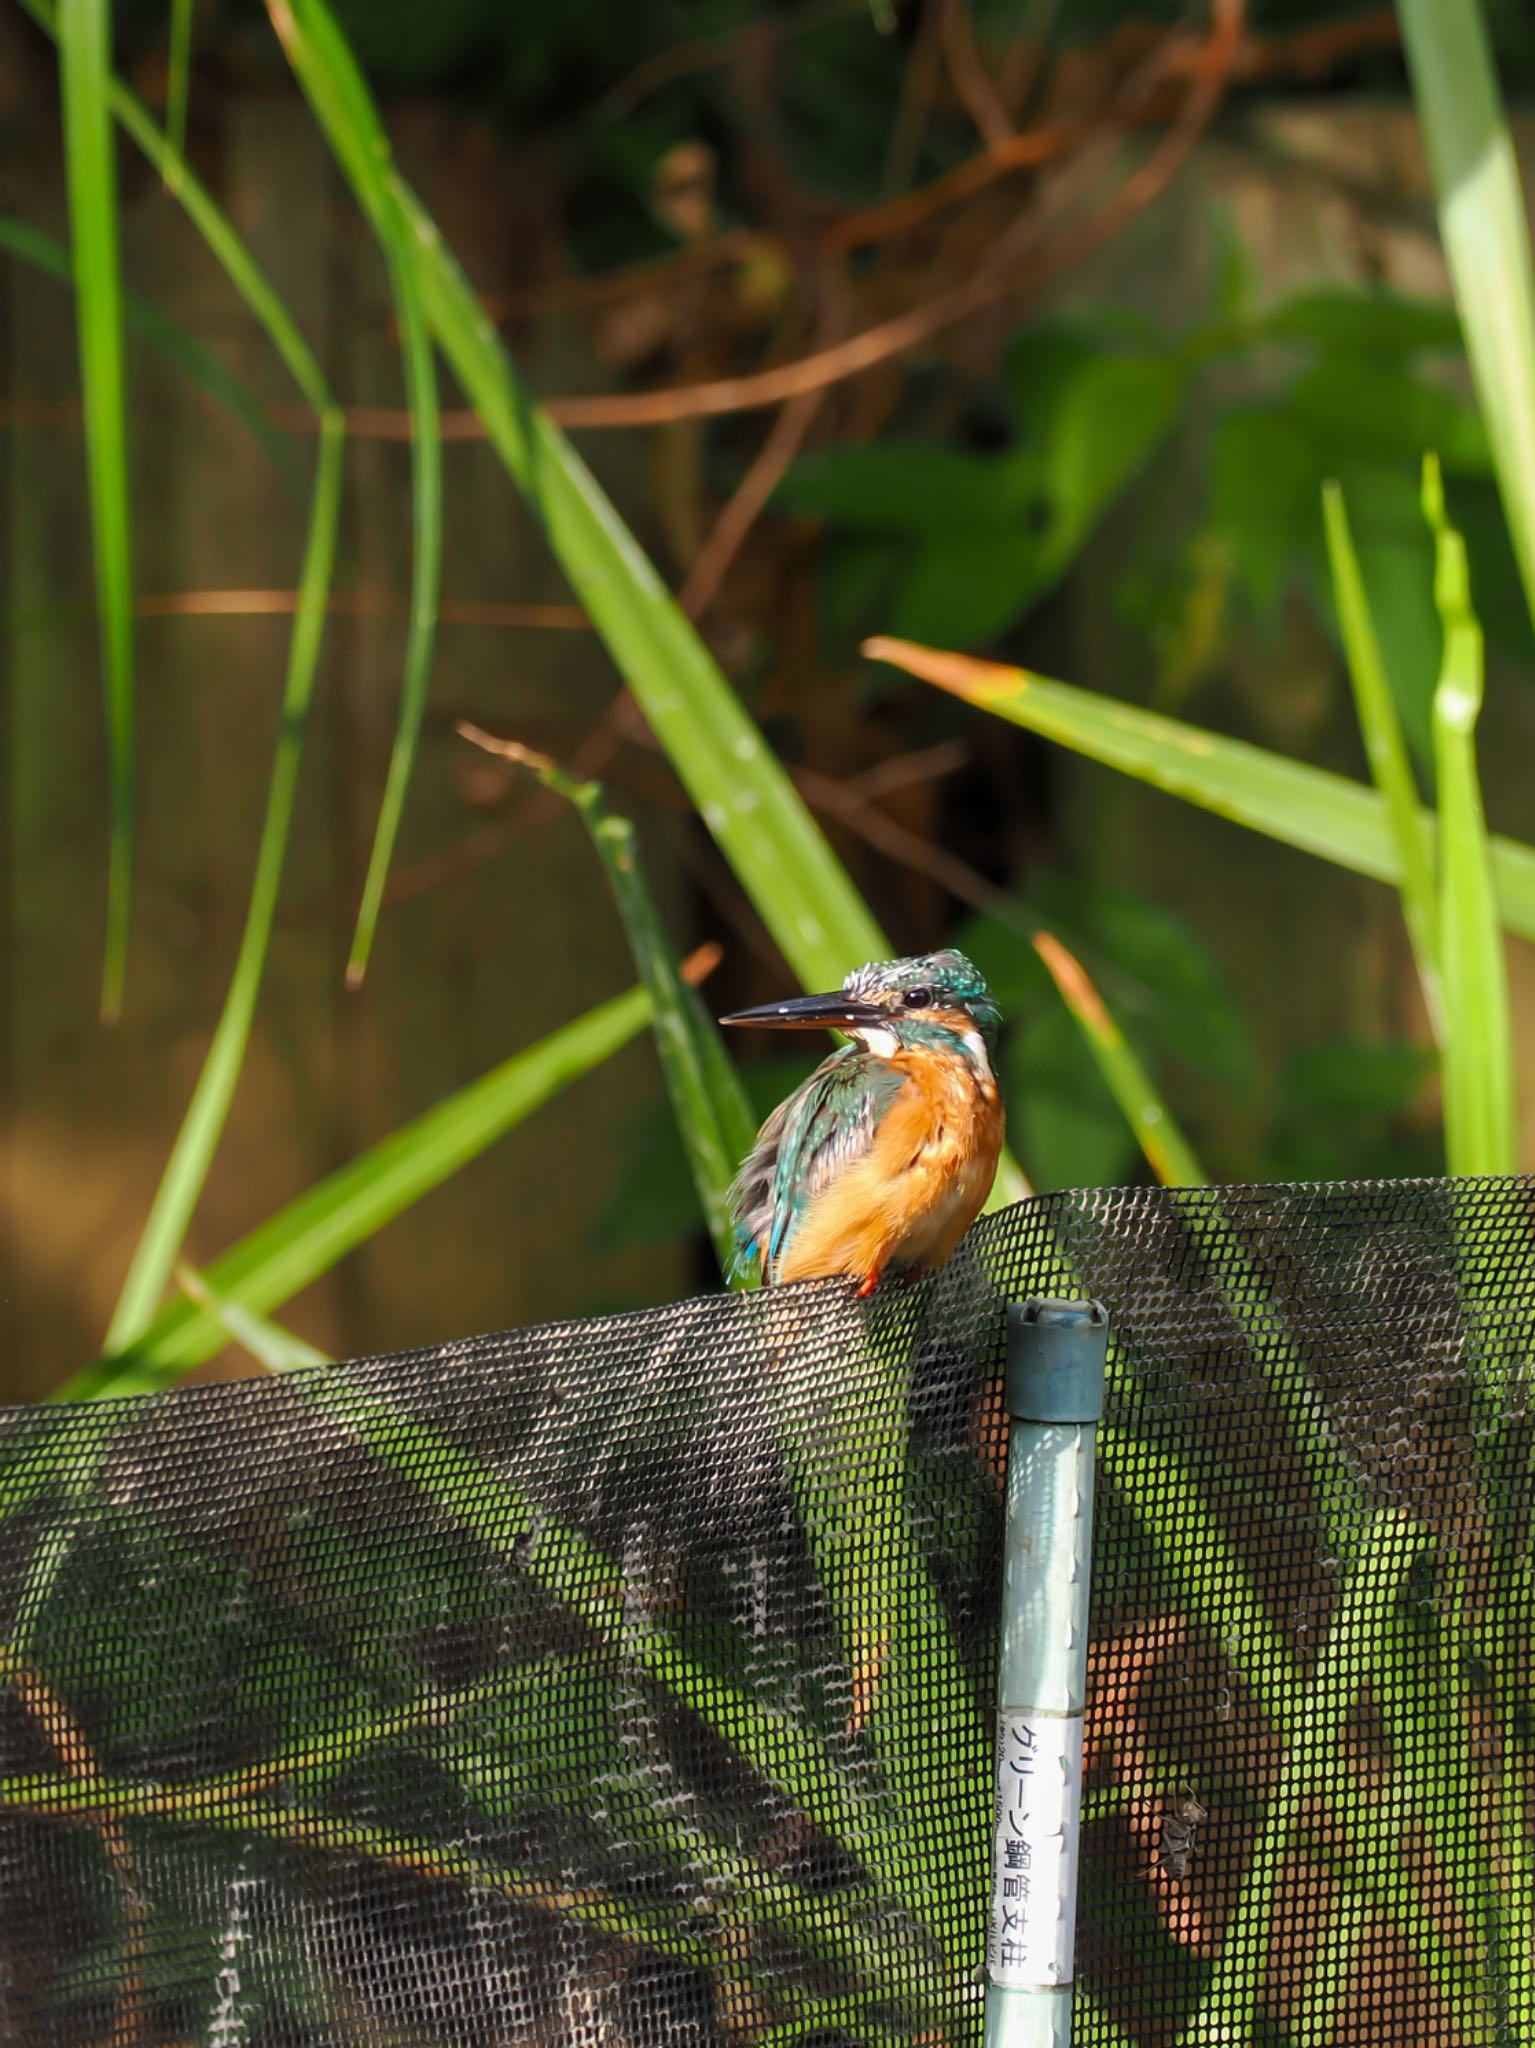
(835, 1012)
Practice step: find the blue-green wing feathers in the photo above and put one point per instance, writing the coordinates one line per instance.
(821, 1128)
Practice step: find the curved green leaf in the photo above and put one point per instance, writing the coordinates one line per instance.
(425, 583)
(184, 349)
(197, 1140)
(307, 1237)
(1486, 239)
(799, 888)
(713, 1115)
(1310, 808)
(1156, 1130)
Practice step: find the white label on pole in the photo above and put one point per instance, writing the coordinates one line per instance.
(1031, 1940)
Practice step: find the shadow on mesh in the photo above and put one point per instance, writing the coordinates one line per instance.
(629, 1681)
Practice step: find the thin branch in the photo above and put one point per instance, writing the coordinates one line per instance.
(982, 101)
(899, 771)
(742, 510)
(685, 59)
(1024, 60)
(1002, 275)
(909, 209)
(1311, 54)
(361, 604)
(70, 1743)
(651, 274)
(258, 604)
(1307, 53)
(817, 371)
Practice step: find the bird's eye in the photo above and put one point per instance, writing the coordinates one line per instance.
(917, 998)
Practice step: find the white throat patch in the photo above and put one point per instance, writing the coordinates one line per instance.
(975, 1045)
(878, 1039)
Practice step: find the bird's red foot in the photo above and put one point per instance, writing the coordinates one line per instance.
(868, 1286)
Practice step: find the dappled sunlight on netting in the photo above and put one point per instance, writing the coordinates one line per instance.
(630, 1680)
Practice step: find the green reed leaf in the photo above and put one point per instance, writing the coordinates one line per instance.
(746, 799)
(192, 1154)
(1386, 750)
(308, 1236)
(1486, 239)
(186, 1170)
(223, 241)
(178, 74)
(173, 341)
(1166, 1150)
(1310, 808)
(85, 71)
(425, 585)
(799, 888)
(707, 1098)
(1480, 1128)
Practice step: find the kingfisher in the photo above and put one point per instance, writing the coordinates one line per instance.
(882, 1159)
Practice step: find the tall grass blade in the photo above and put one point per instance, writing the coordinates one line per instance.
(710, 1105)
(425, 584)
(365, 162)
(1166, 1150)
(1386, 749)
(1310, 808)
(307, 1237)
(189, 355)
(799, 888)
(85, 68)
(1486, 239)
(194, 1148)
(192, 1154)
(1478, 1059)
(218, 232)
(178, 75)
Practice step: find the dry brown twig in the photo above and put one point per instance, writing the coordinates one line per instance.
(1311, 53)
(71, 1745)
(749, 500)
(249, 604)
(1306, 53)
(1003, 274)
(686, 58)
(982, 101)
(747, 503)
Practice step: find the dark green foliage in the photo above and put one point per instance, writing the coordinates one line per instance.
(973, 542)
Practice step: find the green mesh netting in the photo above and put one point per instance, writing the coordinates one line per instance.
(629, 1681)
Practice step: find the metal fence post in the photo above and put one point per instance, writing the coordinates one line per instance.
(1054, 1396)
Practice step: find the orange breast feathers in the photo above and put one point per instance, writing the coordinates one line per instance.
(912, 1196)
